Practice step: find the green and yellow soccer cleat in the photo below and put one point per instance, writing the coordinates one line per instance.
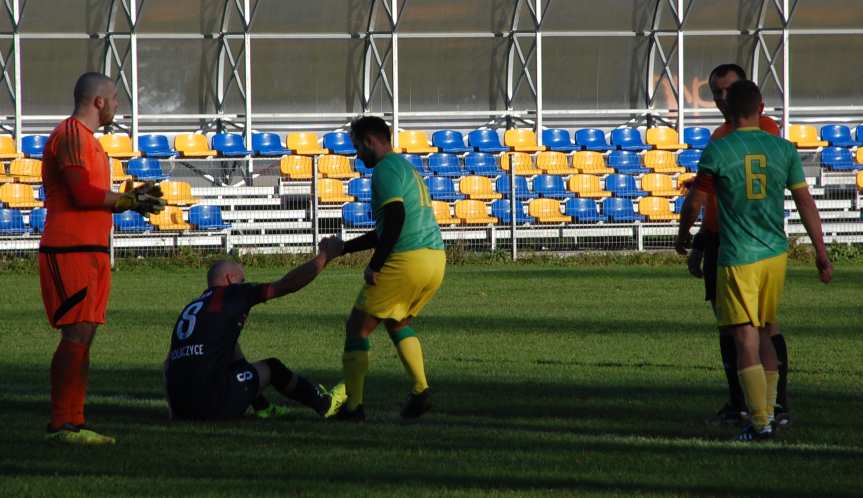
(70, 434)
(272, 411)
(338, 395)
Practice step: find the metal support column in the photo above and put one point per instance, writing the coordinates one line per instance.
(394, 23)
(133, 47)
(538, 13)
(247, 62)
(16, 47)
(681, 94)
(786, 60)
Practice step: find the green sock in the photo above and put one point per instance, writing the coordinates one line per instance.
(355, 365)
(411, 353)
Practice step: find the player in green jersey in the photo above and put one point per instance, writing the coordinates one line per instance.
(749, 170)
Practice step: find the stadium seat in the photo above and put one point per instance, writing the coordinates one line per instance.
(171, 218)
(523, 163)
(839, 136)
(500, 209)
(331, 190)
(858, 133)
(442, 213)
(558, 140)
(230, 145)
(628, 139)
(417, 162)
(358, 215)
(117, 173)
(522, 140)
(361, 189)
(296, 167)
(4, 178)
(623, 186)
(131, 221)
(40, 194)
(619, 209)
(471, 212)
(361, 168)
(8, 149)
(659, 185)
(860, 156)
(554, 163)
(155, 146)
(590, 162)
(33, 145)
(442, 164)
(689, 159)
(37, 219)
(177, 193)
(146, 168)
(118, 145)
(583, 209)
(442, 189)
(860, 181)
(656, 209)
(268, 145)
(193, 145)
(415, 142)
(485, 140)
(678, 203)
(205, 217)
(664, 138)
(550, 186)
(450, 141)
(586, 186)
(305, 143)
(662, 161)
(18, 195)
(483, 164)
(696, 137)
(592, 139)
(502, 185)
(478, 188)
(339, 142)
(26, 170)
(11, 222)
(547, 211)
(334, 166)
(837, 159)
(624, 161)
(805, 137)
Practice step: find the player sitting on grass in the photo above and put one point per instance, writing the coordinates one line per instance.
(206, 375)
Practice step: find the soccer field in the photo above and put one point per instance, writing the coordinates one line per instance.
(547, 380)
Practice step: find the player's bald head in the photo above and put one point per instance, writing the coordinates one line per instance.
(92, 85)
(225, 272)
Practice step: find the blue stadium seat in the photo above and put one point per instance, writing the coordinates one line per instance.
(624, 161)
(442, 164)
(146, 168)
(11, 222)
(361, 168)
(230, 145)
(155, 146)
(838, 159)
(40, 194)
(486, 140)
(858, 133)
(205, 217)
(268, 145)
(521, 189)
(689, 159)
(361, 189)
(450, 141)
(482, 164)
(442, 189)
(618, 209)
(339, 142)
(623, 186)
(551, 186)
(131, 221)
(358, 214)
(417, 163)
(33, 145)
(592, 139)
(558, 140)
(678, 203)
(37, 219)
(696, 137)
(839, 136)
(501, 210)
(583, 209)
(628, 139)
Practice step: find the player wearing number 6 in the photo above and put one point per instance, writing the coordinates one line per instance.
(749, 170)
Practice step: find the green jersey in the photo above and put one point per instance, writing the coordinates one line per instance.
(395, 179)
(751, 170)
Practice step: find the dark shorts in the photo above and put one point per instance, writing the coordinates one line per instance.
(710, 264)
(229, 398)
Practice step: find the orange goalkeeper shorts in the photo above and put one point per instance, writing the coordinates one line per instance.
(75, 284)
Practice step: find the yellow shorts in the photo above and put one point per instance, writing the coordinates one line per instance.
(406, 283)
(750, 293)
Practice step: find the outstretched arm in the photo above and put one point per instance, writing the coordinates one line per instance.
(812, 222)
(303, 275)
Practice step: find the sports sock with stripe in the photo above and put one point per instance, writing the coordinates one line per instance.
(69, 375)
(355, 365)
(411, 353)
(754, 385)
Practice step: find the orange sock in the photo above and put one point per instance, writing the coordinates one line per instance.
(69, 373)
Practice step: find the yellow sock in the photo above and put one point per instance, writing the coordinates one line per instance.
(355, 365)
(411, 353)
(754, 385)
(772, 377)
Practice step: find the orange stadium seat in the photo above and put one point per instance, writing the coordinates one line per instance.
(193, 145)
(656, 209)
(296, 167)
(8, 150)
(305, 143)
(586, 186)
(478, 188)
(554, 163)
(18, 195)
(522, 140)
(664, 138)
(171, 218)
(331, 190)
(523, 163)
(547, 211)
(334, 166)
(26, 170)
(117, 173)
(659, 185)
(177, 193)
(472, 212)
(442, 214)
(118, 145)
(662, 161)
(415, 142)
(590, 162)
(805, 137)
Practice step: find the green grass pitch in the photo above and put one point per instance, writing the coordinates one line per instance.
(548, 381)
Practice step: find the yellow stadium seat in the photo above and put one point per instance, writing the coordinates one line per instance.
(193, 145)
(305, 143)
(18, 195)
(26, 170)
(124, 187)
(860, 155)
(118, 145)
(860, 180)
(683, 179)
(442, 214)
(8, 150)
(472, 212)
(664, 138)
(296, 167)
(554, 163)
(547, 211)
(805, 137)
(659, 185)
(656, 209)
(415, 142)
(334, 166)
(522, 140)
(662, 161)
(117, 173)
(586, 186)
(590, 162)
(171, 218)
(4, 178)
(177, 193)
(478, 188)
(332, 190)
(523, 163)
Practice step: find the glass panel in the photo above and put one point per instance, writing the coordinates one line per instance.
(327, 16)
(50, 69)
(196, 16)
(813, 14)
(51, 16)
(181, 84)
(485, 16)
(624, 15)
(837, 81)
(702, 54)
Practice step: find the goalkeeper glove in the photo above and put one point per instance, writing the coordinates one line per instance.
(145, 199)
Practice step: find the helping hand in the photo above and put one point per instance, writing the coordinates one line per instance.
(331, 247)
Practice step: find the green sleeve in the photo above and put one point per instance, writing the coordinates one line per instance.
(709, 160)
(796, 178)
(387, 184)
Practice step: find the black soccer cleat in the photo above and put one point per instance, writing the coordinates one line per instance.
(751, 434)
(781, 417)
(345, 414)
(729, 415)
(417, 404)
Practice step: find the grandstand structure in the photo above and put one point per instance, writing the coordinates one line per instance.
(582, 118)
